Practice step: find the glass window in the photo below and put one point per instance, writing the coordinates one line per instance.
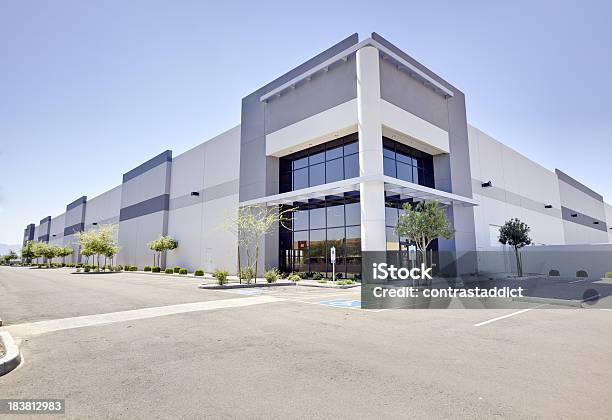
(335, 216)
(404, 172)
(317, 158)
(390, 153)
(351, 148)
(300, 240)
(317, 174)
(300, 220)
(351, 166)
(403, 158)
(317, 218)
(353, 214)
(317, 250)
(390, 216)
(389, 167)
(300, 179)
(392, 240)
(334, 153)
(285, 182)
(416, 176)
(300, 163)
(334, 171)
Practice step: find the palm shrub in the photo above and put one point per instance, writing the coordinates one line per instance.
(198, 273)
(221, 276)
(169, 271)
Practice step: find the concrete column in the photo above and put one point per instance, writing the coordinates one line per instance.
(373, 236)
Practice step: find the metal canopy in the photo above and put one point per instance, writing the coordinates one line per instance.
(392, 185)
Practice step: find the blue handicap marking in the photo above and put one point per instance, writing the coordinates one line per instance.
(342, 303)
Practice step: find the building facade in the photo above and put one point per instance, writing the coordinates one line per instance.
(345, 140)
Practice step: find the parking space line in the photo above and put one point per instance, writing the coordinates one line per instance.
(522, 311)
(577, 281)
(41, 327)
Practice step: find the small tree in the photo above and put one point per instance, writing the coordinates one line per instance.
(516, 234)
(9, 257)
(28, 252)
(423, 224)
(64, 252)
(250, 225)
(99, 242)
(160, 245)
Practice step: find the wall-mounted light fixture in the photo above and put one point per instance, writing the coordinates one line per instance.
(54, 235)
(487, 184)
(95, 223)
(195, 193)
(548, 206)
(595, 222)
(574, 215)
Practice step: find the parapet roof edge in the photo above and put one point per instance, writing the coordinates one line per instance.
(403, 64)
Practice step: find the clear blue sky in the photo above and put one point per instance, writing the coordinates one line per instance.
(91, 89)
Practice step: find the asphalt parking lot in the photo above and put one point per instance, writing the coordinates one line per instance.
(142, 346)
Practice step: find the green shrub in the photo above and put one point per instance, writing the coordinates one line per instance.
(338, 275)
(79, 269)
(177, 269)
(271, 275)
(345, 282)
(303, 275)
(156, 269)
(246, 274)
(87, 269)
(183, 271)
(554, 273)
(294, 278)
(198, 273)
(608, 275)
(147, 268)
(133, 268)
(221, 276)
(169, 271)
(322, 281)
(582, 273)
(317, 276)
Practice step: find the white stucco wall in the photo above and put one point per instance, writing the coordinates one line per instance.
(104, 208)
(521, 188)
(196, 222)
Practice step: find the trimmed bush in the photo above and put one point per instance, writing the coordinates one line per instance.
(322, 281)
(198, 273)
(183, 271)
(155, 269)
(294, 278)
(302, 275)
(169, 271)
(133, 268)
(608, 275)
(271, 275)
(554, 273)
(147, 268)
(221, 276)
(345, 282)
(582, 273)
(87, 269)
(177, 269)
(317, 276)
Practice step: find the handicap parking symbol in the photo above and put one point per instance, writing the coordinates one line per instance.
(342, 303)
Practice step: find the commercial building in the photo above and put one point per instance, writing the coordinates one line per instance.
(347, 138)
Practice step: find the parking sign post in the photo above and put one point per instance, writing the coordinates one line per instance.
(333, 261)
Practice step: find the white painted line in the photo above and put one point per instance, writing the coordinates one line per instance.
(40, 327)
(508, 316)
(602, 309)
(577, 281)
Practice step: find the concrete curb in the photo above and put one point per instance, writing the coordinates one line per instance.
(559, 302)
(331, 285)
(243, 286)
(12, 358)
